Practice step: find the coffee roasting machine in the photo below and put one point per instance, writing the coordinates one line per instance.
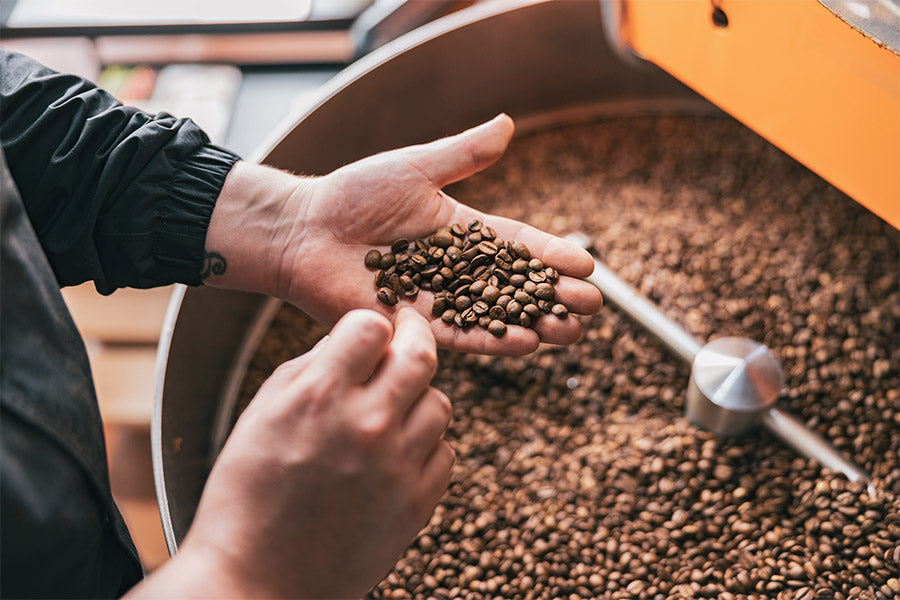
(819, 79)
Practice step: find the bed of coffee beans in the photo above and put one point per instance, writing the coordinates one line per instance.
(578, 477)
(476, 278)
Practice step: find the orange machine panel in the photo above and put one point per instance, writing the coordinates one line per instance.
(793, 72)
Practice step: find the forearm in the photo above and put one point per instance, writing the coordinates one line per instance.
(257, 219)
(114, 194)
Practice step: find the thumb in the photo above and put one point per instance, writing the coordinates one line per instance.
(453, 158)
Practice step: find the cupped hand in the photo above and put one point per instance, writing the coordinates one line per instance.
(370, 203)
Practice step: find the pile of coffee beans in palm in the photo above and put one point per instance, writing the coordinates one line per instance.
(577, 475)
(476, 278)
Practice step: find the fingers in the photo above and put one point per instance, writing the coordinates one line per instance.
(410, 362)
(425, 423)
(553, 330)
(579, 297)
(436, 477)
(456, 157)
(561, 254)
(355, 346)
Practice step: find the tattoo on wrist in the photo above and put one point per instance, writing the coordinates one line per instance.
(213, 264)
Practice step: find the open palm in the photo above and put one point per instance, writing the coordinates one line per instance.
(376, 200)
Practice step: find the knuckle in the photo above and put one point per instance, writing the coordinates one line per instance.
(449, 455)
(444, 401)
(422, 354)
(314, 390)
(369, 326)
(289, 368)
(371, 429)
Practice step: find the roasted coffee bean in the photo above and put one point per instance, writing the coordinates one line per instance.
(488, 248)
(387, 296)
(503, 300)
(475, 226)
(497, 312)
(469, 254)
(481, 308)
(418, 262)
(560, 311)
(458, 230)
(535, 264)
(532, 310)
(517, 279)
(437, 282)
(393, 282)
(520, 266)
(373, 259)
(522, 297)
(537, 276)
(453, 253)
(552, 274)
(480, 260)
(545, 306)
(406, 282)
(399, 245)
(513, 309)
(497, 327)
(448, 316)
(508, 290)
(474, 238)
(503, 260)
(387, 260)
(521, 251)
(525, 320)
(477, 287)
(529, 287)
(490, 294)
(411, 293)
(544, 291)
(462, 303)
(439, 306)
(488, 233)
(482, 273)
(484, 321)
(442, 239)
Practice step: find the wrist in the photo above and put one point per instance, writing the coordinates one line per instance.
(194, 573)
(258, 210)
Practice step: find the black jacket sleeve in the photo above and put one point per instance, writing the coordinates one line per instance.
(115, 195)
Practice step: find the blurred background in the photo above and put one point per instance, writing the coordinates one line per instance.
(238, 69)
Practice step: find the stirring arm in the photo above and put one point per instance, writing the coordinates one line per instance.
(787, 427)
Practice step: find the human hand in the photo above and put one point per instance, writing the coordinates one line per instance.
(399, 194)
(325, 225)
(331, 471)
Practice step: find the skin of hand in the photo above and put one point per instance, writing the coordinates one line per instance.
(329, 473)
(304, 239)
